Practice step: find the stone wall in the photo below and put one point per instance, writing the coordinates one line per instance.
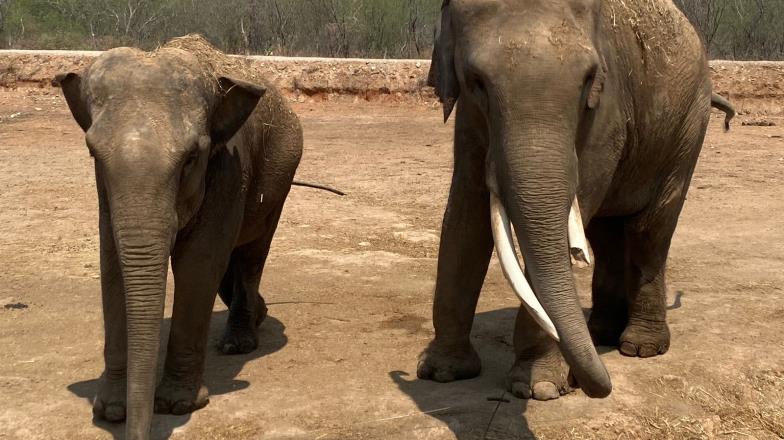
(756, 87)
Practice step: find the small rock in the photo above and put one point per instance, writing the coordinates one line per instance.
(758, 123)
(364, 244)
(16, 306)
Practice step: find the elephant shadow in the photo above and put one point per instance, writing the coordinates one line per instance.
(482, 408)
(479, 408)
(219, 375)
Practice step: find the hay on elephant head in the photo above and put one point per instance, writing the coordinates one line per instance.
(214, 62)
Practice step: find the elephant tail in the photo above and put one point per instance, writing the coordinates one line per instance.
(317, 186)
(725, 106)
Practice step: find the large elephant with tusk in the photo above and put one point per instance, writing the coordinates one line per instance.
(569, 113)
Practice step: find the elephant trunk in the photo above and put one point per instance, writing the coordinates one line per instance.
(144, 234)
(535, 165)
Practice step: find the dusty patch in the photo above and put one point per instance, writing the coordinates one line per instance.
(418, 236)
(372, 258)
(338, 352)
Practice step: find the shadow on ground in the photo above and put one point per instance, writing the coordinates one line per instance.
(479, 408)
(482, 408)
(219, 375)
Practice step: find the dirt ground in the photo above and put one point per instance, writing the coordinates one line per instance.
(350, 282)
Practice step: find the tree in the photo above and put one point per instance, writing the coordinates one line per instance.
(739, 29)
(706, 15)
(736, 29)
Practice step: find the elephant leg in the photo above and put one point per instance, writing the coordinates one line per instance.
(110, 401)
(199, 260)
(196, 281)
(464, 255)
(247, 309)
(540, 371)
(609, 316)
(648, 238)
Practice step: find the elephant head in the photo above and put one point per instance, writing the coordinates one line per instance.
(533, 71)
(152, 123)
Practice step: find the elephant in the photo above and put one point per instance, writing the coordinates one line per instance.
(194, 158)
(568, 113)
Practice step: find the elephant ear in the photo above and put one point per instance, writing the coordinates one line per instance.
(236, 102)
(71, 83)
(442, 74)
(597, 85)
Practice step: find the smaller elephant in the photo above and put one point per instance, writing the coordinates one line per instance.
(194, 158)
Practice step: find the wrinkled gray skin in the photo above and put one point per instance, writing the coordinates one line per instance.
(606, 100)
(182, 159)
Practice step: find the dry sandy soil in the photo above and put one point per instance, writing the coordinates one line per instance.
(350, 284)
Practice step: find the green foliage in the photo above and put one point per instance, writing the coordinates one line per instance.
(345, 28)
(739, 29)
(732, 29)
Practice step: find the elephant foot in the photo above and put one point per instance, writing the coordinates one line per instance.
(445, 364)
(545, 377)
(240, 336)
(238, 340)
(177, 398)
(645, 339)
(606, 329)
(109, 403)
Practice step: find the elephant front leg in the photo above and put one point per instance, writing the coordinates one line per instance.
(198, 262)
(464, 255)
(196, 284)
(540, 371)
(610, 315)
(110, 402)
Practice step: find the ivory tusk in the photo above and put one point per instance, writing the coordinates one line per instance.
(578, 244)
(502, 235)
